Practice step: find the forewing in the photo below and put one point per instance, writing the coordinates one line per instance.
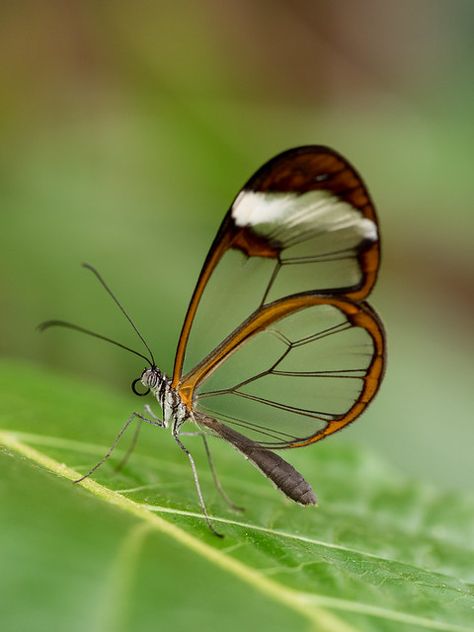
(304, 223)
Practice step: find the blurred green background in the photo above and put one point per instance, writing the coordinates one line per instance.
(127, 128)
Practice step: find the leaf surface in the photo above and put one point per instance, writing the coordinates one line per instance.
(130, 550)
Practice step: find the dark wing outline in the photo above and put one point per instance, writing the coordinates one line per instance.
(312, 167)
(358, 314)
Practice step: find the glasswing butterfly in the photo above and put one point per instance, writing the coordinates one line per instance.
(278, 348)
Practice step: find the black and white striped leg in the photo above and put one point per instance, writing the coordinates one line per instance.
(212, 467)
(196, 483)
(150, 412)
(136, 434)
(216, 479)
(117, 439)
(121, 464)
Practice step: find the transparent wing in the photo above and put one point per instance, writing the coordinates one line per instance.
(294, 373)
(303, 223)
(277, 340)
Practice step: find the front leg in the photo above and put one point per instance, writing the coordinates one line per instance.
(150, 413)
(136, 434)
(133, 416)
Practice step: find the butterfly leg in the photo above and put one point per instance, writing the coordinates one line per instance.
(150, 412)
(121, 464)
(136, 434)
(216, 479)
(196, 482)
(212, 467)
(107, 455)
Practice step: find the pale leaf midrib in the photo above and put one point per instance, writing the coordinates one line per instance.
(99, 450)
(327, 621)
(306, 605)
(294, 536)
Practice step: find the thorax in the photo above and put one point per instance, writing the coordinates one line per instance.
(174, 410)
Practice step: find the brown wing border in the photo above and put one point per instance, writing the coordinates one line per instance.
(300, 169)
(358, 314)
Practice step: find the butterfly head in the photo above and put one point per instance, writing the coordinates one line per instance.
(151, 379)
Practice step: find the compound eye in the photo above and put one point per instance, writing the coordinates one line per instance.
(134, 387)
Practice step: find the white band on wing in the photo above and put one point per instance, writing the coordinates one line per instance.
(311, 212)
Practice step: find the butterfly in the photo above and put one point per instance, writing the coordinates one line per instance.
(278, 348)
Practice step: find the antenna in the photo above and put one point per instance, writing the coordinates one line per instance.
(122, 309)
(62, 323)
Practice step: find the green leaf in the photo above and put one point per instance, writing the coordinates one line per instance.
(130, 550)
